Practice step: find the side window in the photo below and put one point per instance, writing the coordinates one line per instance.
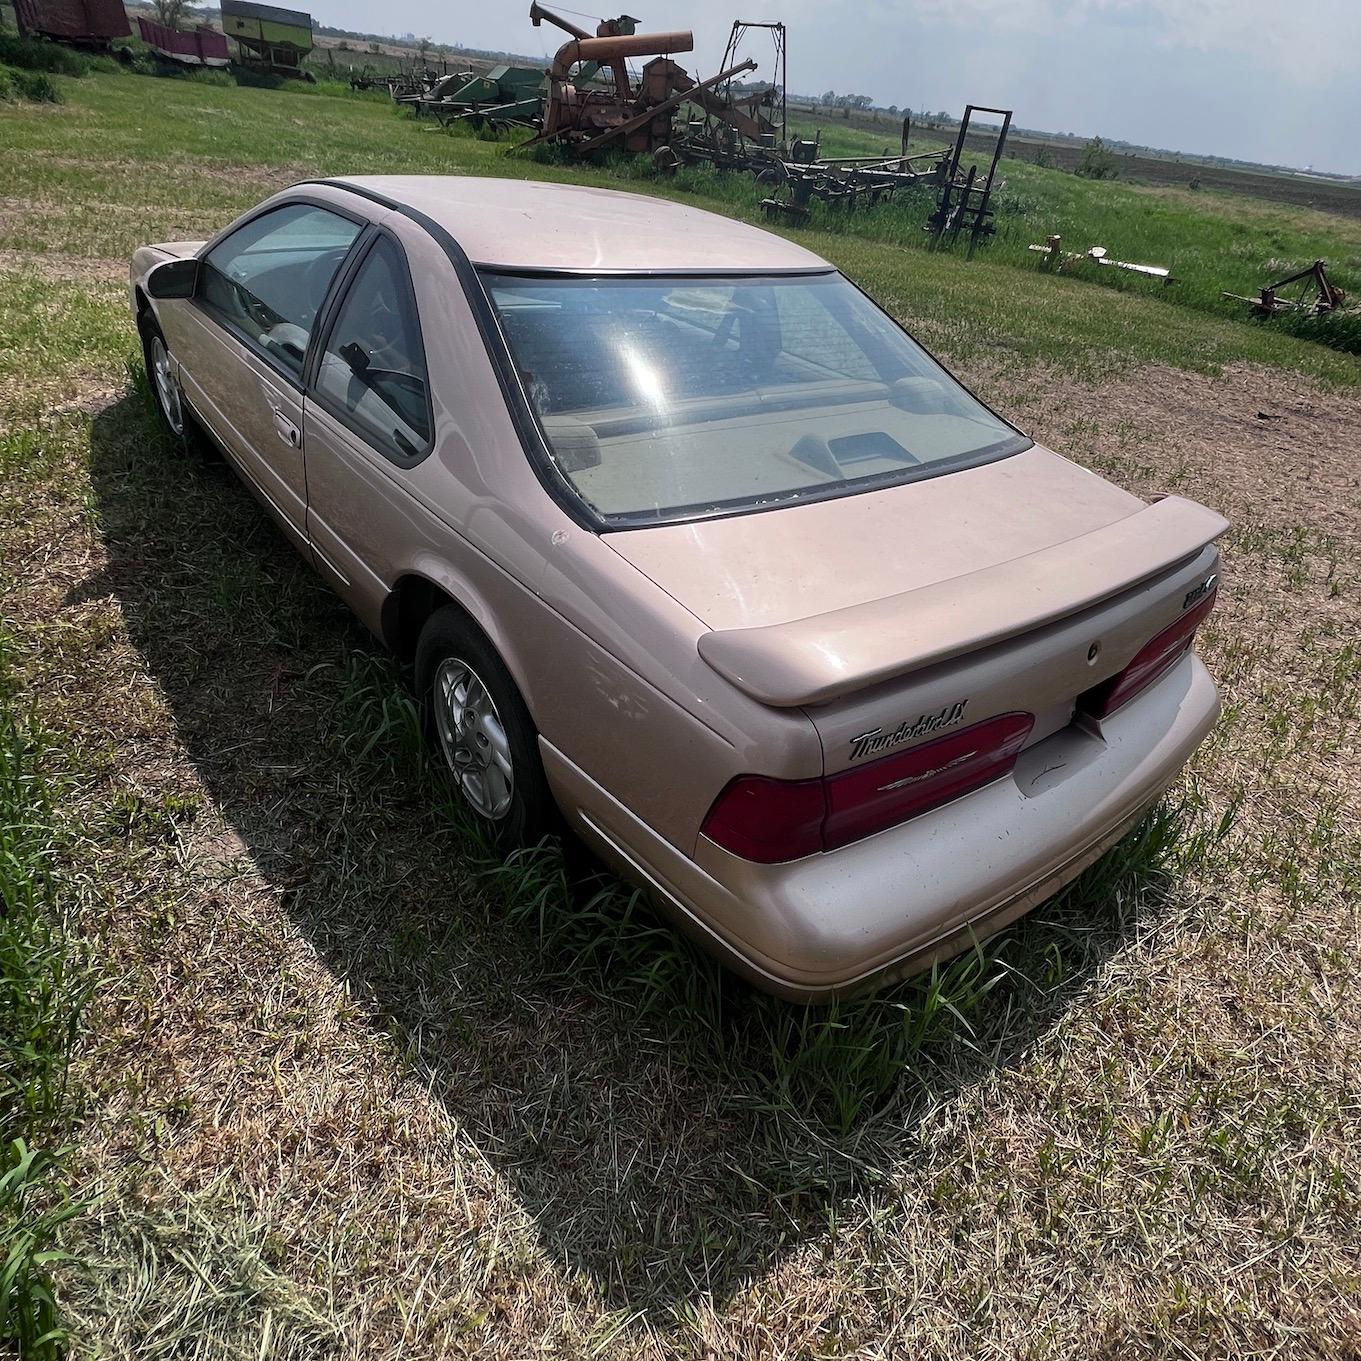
(270, 277)
(372, 372)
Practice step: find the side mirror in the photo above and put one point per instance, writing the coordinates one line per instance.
(173, 279)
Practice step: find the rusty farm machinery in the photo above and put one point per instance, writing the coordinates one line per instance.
(964, 203)
(505, 97)
(737, 127)
(847, 181)
(590, 100)
(1308, 290)
(582, 117)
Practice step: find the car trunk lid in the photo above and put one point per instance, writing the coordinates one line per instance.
(780, 565)
(1014, 587)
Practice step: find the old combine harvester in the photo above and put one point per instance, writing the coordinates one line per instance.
(269, 39)
(584, 118)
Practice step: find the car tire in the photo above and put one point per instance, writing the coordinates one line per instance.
(175, 416)
(480, 731)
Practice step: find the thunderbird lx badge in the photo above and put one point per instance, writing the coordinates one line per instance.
(877, 740)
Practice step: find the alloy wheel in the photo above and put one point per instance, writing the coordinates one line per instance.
(473, 738)
(167, 389)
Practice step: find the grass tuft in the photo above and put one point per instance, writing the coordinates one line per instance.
(835, 1064)
(43, 990)
(37, 54)
(33, 1207)
(36, 86)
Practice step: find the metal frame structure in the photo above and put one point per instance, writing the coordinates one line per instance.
(846, 181)
(964, 202)
(1317, 294)
(780, 64)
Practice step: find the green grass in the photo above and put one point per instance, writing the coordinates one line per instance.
(43, 57)
(209, 153)
(43, 989)
(36, 86)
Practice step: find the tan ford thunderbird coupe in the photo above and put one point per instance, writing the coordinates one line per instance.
(690, 543)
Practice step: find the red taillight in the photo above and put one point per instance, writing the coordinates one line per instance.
(1154, 659)
(768, 820)
(772, 820)
(896, 788)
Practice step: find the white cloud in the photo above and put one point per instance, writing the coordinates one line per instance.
(1327, 32)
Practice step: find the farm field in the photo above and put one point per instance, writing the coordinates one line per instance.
(347, 1086)
(1213, 242)
(1135, 167)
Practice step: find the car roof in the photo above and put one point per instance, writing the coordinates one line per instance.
(529, 224)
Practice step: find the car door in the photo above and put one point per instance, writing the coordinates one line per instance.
(368, 415)
(245, 338)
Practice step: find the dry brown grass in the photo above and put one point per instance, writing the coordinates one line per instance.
(335, 1110)
(336, 1106)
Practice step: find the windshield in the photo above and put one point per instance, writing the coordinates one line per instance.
(668, 398)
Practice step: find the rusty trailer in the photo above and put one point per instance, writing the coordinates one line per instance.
(201, 46)
(89, 24)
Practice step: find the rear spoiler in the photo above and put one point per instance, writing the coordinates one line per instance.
(821, 658)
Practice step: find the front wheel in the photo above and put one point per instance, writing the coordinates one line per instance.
(165, 387)
(165, 392)
(481, 732)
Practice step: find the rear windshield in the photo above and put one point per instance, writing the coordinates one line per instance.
(670, 398)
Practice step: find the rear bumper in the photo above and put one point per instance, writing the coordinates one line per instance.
(897, 901)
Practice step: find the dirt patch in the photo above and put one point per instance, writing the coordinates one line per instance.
(267, 176)
(53, 267)
(1278, 458)
(57, 394)
(193, 168)
(1255, 442)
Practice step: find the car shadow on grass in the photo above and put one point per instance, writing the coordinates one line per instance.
(668, 1132)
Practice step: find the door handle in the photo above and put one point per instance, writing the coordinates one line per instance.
(285, 429)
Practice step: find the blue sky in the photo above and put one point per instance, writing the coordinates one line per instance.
(1192, 75)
